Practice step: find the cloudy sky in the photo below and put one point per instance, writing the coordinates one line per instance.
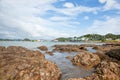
(48, 19)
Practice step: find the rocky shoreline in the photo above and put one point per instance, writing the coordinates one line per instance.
(19, 63)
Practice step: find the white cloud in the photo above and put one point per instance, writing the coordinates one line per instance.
(111, 25)
(76, 10)
(68, 5)
(18, 18)
(110, 4)
(106, 17)
(102, 1)
(21, 16)
(86, 18)
(59, 18)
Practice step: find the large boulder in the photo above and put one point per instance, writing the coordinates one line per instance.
(69, 48)
(86, 59)
(2, 48)
(26, 65)
(115, 53)
(43, 48)
(109, 67)
(16, 48)
(104, 71)
(107, 47)
(108, 71)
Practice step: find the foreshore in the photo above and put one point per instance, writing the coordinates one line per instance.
(20, 63)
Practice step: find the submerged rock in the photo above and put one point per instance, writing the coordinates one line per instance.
(43, 48)
(26, 65)
(86, 59)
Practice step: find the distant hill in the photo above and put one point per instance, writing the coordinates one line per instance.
(90, 37)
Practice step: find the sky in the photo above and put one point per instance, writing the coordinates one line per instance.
(49, 19)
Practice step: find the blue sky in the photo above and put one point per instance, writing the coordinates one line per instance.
(49, 19)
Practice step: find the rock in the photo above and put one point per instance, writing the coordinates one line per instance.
(106, 47)
(27, 65)
(102, 56)
(86, 59)
(105, 71)
(98, 48)
(76, 79)
(88, 45)
(69, 48)
(91, 77)
(108, 71)
(113, 43)
(2, 48)
(69, 57)
(43, 48)
(50, 53)
(115, 53)
(16, 48)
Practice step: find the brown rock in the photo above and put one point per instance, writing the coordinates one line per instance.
(105, 71)
(16, 48)
(98, 48)
(69, 57)
(92, 77)
(86, 59)
(69, 48)
(88, 45)
(115, 53)
(2, 48)
(76, 79)
(50, 53)
(108, 71)
(43, 48)
(28, 65)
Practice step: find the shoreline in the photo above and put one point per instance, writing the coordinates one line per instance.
(102, 51)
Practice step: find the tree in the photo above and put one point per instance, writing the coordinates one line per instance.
(26, 39)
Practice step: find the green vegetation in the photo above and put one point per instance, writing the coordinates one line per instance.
(26, 39)
(92, 37)
(62, 39)
(88, 37)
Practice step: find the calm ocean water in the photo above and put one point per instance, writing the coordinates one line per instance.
(68, 69)
(32, 45)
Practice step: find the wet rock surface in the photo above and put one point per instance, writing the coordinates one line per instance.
(114, 53)
(104, 71)
(109, 67)
(2, 48)
(108, 71)
(19, 63)
(88, 45)
(69, 48)
(50, 53)
(86, 59)
(107, 47)
(43, 48)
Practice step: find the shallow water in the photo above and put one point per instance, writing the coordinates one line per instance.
(68, 69)
(66, 66)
